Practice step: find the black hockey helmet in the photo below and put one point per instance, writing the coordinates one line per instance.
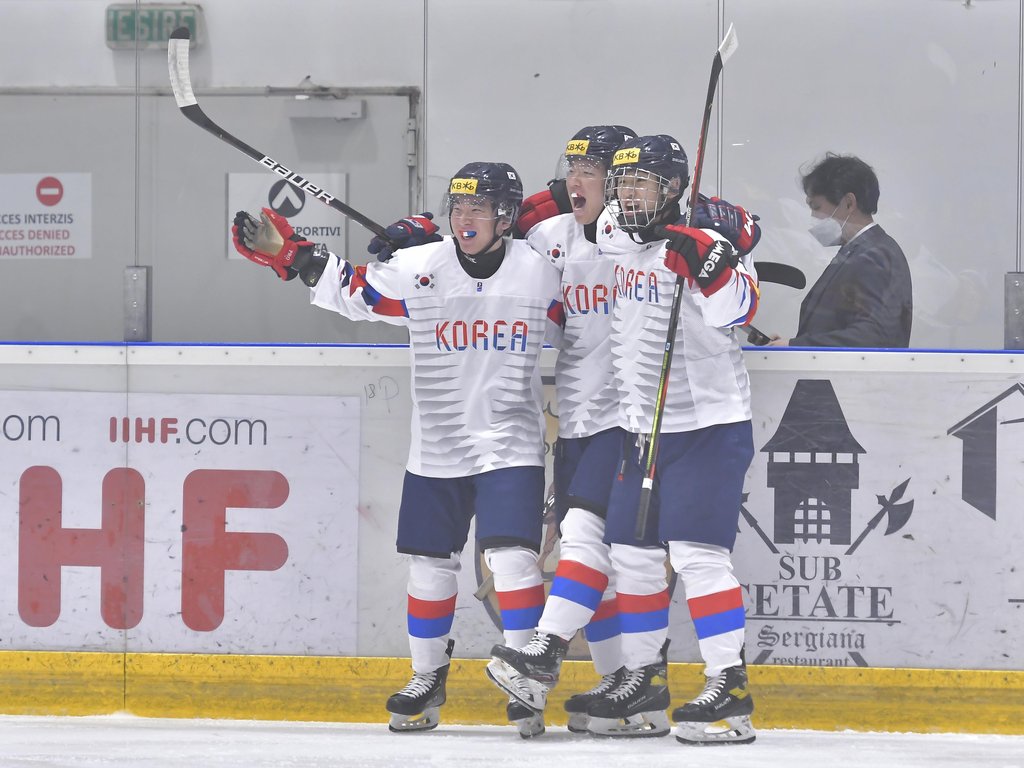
(595, 142)
(497, 182)
(640, 163)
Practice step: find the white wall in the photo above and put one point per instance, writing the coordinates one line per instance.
(927, 91)
(250, 43)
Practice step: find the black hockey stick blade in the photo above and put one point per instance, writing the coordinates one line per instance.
(756, 337)
(783, 274)
(181, 85)
(773, 272)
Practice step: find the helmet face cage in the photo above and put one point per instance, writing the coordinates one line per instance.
(580, 163)
(496, 185)
(648, 174)
(636, 196)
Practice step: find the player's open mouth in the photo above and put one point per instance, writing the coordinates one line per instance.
(578, 201)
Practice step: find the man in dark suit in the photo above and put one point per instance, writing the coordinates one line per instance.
(864, 297)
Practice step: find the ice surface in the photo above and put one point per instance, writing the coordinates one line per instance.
(123, 741)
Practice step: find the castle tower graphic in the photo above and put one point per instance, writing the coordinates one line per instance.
(813, 467)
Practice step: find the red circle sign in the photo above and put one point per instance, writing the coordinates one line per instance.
(49, 191)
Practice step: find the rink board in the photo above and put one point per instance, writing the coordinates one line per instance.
(878, 620)
(334, 689)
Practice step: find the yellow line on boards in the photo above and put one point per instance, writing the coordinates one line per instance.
(336, 689)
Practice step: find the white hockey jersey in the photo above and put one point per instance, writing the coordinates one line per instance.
(708, 382)
(584, 386)
(475, 346)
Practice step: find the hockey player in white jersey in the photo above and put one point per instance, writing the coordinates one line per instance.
(478, 307)
(561, 222)
(588, 448)
(582, 594)
(706, 444)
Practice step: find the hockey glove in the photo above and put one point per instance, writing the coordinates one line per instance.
(272, 242)
(536, 208)
(732, 222)
(404, 233)
(695, 254)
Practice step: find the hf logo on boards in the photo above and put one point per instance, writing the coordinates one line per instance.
(180, 517)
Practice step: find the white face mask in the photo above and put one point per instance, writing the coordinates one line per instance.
(827, 231)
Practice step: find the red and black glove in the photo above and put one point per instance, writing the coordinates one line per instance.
(733, 222)
(404, 233)
(536, 208)
(695, 254)
(272, 242)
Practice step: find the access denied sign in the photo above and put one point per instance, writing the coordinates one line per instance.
(49, 191)
(45, 216)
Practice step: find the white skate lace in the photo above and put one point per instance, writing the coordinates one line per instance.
(421, 683)
(712, 690)
(606, 684)
(631, 682)
(537, 646)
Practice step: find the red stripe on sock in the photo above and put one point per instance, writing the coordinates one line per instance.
(606, 610)
(716, 602)
(431, 609)
(530, 597)
(643, 603)
(584, 574)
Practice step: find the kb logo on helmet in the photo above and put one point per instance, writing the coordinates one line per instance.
(577, 147)
(627, 155)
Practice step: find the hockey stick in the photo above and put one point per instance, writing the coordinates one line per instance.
(725, 50)
(783, 274)
(181, 84)
(774, 272)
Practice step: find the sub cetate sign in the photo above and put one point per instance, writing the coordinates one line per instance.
(46, 216)
(881, 521)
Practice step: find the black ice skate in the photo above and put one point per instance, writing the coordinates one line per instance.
(417, 706)
(721, 714)
(577, 704)
(528, 673)
(526, 721)
(636, 706)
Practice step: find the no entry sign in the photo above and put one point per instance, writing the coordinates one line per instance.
(46, 215)
(49, 191)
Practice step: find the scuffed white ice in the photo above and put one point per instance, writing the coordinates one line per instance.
(123, 741)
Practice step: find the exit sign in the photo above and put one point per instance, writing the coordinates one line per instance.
(151, 24)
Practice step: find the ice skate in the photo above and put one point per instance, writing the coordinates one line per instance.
(721, 714)
(636, 706)
(576, 705)
(528, 673)
(526, 721)
(417, 707)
